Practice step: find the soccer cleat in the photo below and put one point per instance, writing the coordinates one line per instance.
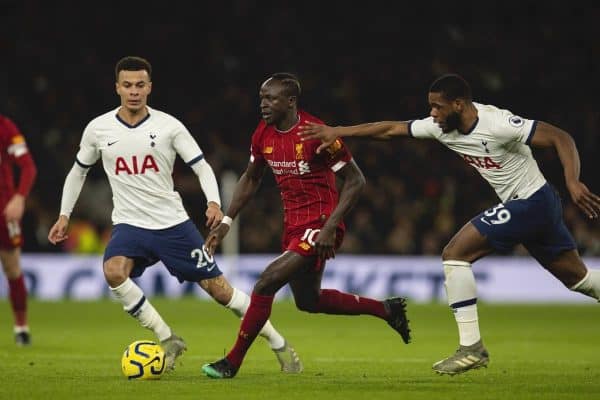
(396, 309)
(173, 347)
(288, 359)
(465, 358)
(221, 369)
(23, 338)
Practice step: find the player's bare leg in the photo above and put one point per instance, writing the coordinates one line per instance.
(569, 268)
(116, 271)
(277, 274)
(238, 302)
(309, 297)
(467, 246)
(17, 294)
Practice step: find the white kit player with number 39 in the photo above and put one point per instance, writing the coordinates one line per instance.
(138, 146)
(496, 143)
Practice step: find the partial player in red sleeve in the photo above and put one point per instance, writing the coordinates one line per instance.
(14, 153)
(313, 220)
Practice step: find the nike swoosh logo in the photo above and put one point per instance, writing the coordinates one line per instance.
(211, 267)
(111, 143)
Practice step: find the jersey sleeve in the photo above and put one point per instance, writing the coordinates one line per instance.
(88, 152)
(20, 155)
(16, 146)
(515, 128)
(423, 128)
(336, 155)
(186, 146)
(256, 147)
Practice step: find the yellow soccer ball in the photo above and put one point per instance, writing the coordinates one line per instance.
(143, 359)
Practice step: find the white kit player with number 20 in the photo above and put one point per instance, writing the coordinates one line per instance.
(138, 146)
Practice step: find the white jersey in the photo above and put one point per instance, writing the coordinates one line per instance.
(497, 147)
(138, 161)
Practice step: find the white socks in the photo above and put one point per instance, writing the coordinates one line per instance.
(589, 285)
(461, 291)
(136, 304)
(239, 304)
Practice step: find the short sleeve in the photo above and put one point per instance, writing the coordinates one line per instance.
(88, 152)
(423, 128)
(336, 155)
(16, 141)
(515, 128)
(256, 148)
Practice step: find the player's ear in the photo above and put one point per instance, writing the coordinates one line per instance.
(458, 104)
(292, 101)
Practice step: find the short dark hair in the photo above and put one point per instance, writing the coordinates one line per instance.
(452, 87)
(289, 81)
(133, 63)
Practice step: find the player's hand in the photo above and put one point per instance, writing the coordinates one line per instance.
(215, 237)
(15, 208)
(311, 130)
(58, 232)
(587, 201)
(214, 215)
(325, 243)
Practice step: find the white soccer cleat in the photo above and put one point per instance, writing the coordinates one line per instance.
(174, 346)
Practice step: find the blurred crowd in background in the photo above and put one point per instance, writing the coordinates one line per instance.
(540, 61)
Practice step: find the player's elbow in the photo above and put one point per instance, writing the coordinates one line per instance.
(356, 183)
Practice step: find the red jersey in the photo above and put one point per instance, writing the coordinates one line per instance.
(14, 153)
(306, 180)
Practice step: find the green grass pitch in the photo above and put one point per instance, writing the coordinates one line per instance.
(537, 351)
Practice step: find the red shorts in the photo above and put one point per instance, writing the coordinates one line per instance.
(301, 239)
(10, 235)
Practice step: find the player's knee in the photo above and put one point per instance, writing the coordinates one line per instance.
(114, 274)
(447, 252)
(306, 304)
(265, 286)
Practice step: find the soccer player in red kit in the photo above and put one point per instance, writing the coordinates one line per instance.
(14, 153)
(313, 225)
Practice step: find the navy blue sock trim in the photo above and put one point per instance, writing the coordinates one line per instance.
(464, 303)
(137, 306)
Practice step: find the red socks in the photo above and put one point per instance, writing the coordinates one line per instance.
(335, 302)
(18, 299)
(258, 313)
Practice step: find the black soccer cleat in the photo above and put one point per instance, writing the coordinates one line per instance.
(23, 338)
(221, 369)
(396, 309)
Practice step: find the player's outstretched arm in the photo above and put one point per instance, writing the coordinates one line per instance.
(547, 135)
(382, 130)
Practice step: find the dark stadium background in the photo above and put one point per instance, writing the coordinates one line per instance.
(356, 64)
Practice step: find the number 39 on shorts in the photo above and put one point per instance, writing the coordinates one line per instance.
(496, 215)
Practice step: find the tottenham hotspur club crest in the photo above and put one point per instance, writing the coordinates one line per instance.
(484, 143)
(152, 137)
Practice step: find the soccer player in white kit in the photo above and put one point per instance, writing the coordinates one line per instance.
(138, 146)
(496, 143)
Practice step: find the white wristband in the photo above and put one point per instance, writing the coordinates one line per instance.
(227, 220)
